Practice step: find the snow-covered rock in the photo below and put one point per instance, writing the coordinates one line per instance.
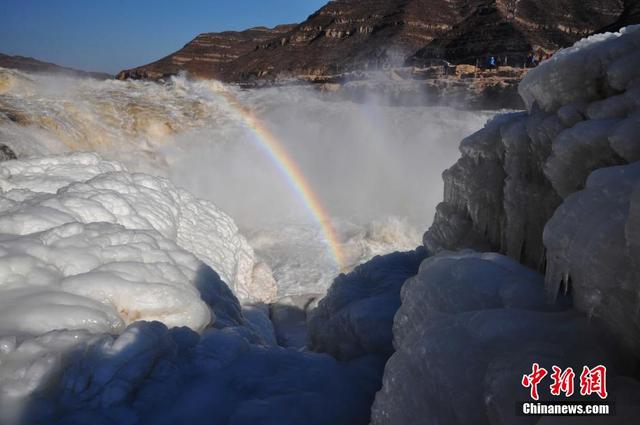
(598, 67)
(470, 326)
(355, 317)
(111, 311)
(154, 375)
(41, 194)
(515, 174)
(87, 248)
(593, 250)
(555, 188)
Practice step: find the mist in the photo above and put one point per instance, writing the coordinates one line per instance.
(376, 168)
(366, 161)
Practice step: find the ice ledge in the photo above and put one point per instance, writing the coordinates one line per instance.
(593, 68)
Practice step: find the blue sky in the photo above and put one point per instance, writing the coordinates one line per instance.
(116, 34)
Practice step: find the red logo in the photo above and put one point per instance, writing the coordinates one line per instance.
(532, 380)
(563, 381)
(592, 381)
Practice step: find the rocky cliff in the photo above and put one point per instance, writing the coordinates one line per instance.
(348, 35)
(208, 55)
(630, 16)
(512, 29)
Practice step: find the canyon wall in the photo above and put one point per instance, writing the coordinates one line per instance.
(347, 35)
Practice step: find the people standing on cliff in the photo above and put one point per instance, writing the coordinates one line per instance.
(532, 61)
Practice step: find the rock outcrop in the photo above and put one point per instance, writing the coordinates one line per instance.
(630, 16)
(6, 153)
(35, 66)
(512, 29)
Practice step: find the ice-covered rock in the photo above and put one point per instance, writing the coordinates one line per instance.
(555, 188)
(496, 196)
(579, 150)
(592, 243)
(513, 175)
(355, 318)
(6, 153)
(87, 248)
(289, 317)
(32, 359)
(593, 69)
(154, 375)
(470, 326)
(111, 311)
(41, 194)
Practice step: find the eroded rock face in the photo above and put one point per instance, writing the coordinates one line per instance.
(207, 55)
(356, 35)
(515, 28)
(630, 16)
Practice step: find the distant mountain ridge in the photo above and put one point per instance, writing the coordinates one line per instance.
(354, 35)
(208, 54)
(28, 64)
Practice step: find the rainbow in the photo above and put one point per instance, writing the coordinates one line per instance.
(296, 179)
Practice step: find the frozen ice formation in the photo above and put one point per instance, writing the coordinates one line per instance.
(598, 67)
(41, 195)
(593, 246)
(469, 327)
(87, 248)
(154, 375)
(571, 157)
(496, 196)
(584, 109)
(356, 316)
(111, 311)
(30, 366)
(557, 189)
